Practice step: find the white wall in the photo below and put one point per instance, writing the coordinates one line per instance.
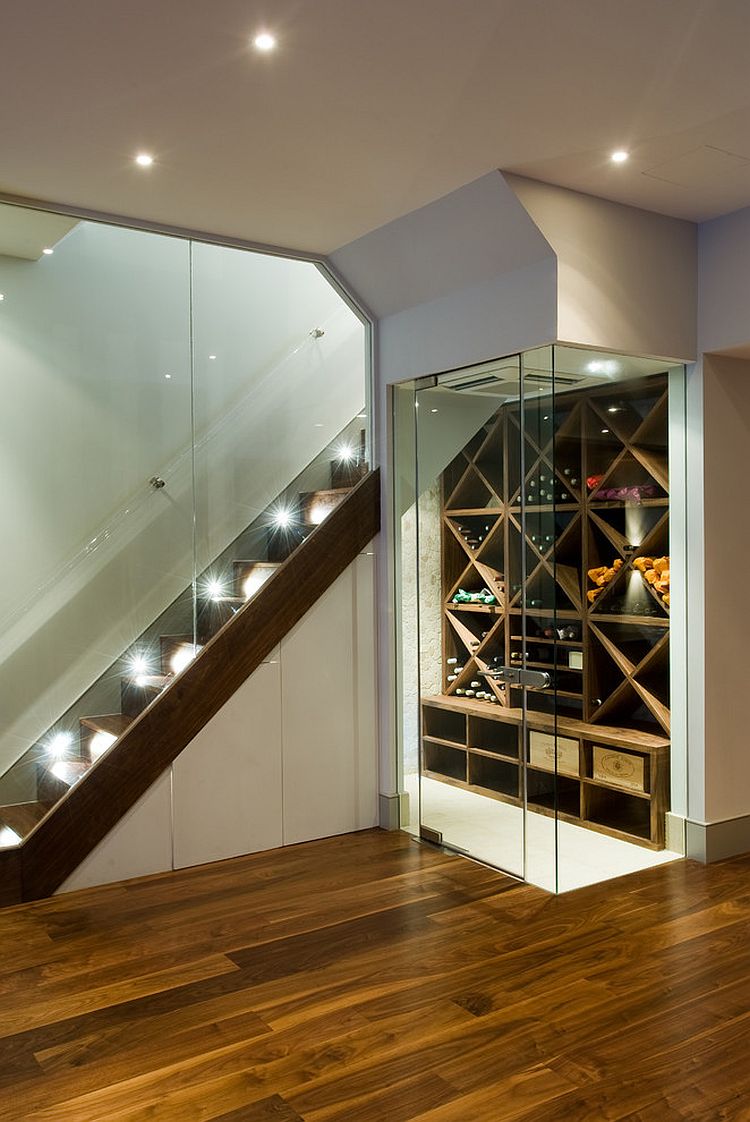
(726, 432)
(626, 277)
(464, 279)
(724, 283)
(717, 431)
(86, 339)
(292, 755)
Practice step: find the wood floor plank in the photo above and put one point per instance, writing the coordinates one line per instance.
(367, 978)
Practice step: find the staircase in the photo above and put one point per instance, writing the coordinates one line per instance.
(91, 767)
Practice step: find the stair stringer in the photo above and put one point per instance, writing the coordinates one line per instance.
(116, 784)
(290, 757)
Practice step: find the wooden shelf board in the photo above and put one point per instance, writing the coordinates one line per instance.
(458, 744)
(488, 609)
(493, 755)
(531, 639)
(609, 735)
(613, 787)
(646, 621)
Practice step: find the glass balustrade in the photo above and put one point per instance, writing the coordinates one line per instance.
(178, 416)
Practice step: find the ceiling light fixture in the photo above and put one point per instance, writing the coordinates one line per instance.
(212, 357)
(619, 156)
(2, 295)
(144, 160)
(47, 251)
(264, 41)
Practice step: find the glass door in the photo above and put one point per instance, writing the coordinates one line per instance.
(484, 546)
(538, 626)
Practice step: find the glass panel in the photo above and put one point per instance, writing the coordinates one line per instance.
(95, 440)
(468, 457)
(178, 418)
(279, 417)
(564, 494)
(405, 603)
(611, 561)
(546, 616)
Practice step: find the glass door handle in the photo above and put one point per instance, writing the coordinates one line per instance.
(516, 676)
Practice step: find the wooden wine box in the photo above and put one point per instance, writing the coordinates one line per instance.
(543, 746)
(621, 769)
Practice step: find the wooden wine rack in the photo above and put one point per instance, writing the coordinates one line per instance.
(609, 660)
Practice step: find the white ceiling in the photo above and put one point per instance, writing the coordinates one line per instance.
(369, 108)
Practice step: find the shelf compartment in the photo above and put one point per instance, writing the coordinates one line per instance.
(499, 737)
(444, 724)
(494, 775)
(442, 759)
(618, 810)
(553, 792)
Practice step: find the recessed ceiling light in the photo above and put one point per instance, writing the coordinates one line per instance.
(264, 41)
(619, 156)
(212, 357)
(433, 410)
(167, 376)
(2, 295)
(144, 160)
(47, 251)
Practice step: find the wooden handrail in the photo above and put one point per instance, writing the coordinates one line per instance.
(57, 846)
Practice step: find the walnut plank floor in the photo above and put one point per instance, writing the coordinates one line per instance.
(369, 979)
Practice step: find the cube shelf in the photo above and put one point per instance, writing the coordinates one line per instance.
(595, 488)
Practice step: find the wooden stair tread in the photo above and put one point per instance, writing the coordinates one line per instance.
(23, 817)
(112, 723)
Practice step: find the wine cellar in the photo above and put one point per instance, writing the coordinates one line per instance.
(579, 571)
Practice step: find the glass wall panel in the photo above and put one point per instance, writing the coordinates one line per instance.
(542, 530)
(279, 362)
(177, 418)
(95, 438)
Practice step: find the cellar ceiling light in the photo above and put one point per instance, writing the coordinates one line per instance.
(619, 156)
(144, 160)
(47, 251)
(264, 41)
